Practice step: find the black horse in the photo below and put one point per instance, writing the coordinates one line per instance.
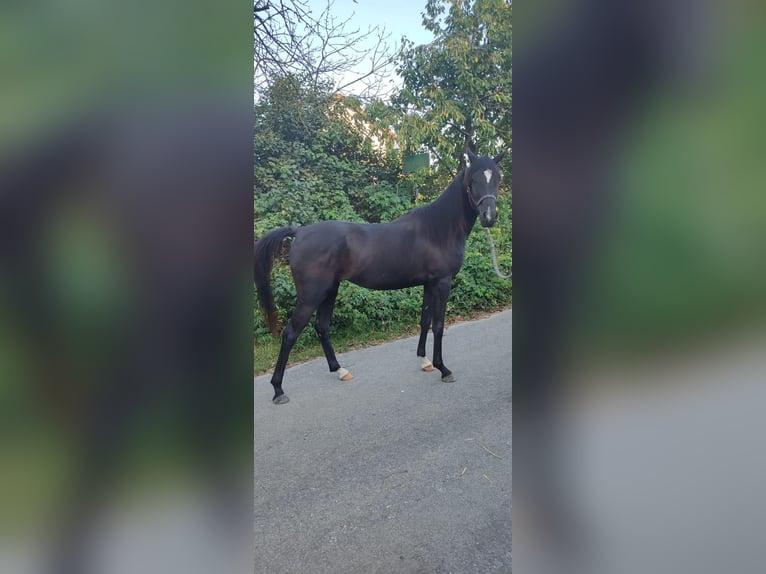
(423, 247)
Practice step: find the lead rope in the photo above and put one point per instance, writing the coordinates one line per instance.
(494, 256)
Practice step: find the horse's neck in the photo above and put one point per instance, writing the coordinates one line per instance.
(453, 210)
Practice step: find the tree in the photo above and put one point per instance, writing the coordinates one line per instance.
(317, 155)
(457, 89)
(289, 39)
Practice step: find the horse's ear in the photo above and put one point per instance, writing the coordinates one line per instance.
(498, 157)
(471, 156)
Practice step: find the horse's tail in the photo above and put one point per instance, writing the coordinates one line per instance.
(266, 250)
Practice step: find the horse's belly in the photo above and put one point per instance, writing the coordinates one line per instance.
(384, 281)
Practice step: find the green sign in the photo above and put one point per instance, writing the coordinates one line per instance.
(413, 163)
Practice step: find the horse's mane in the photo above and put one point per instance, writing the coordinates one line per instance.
(434, 216)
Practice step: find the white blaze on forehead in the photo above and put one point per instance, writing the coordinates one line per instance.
(488, 174)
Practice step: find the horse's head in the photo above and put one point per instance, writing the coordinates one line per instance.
(482, 178)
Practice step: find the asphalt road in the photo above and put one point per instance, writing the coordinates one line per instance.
(394, 471)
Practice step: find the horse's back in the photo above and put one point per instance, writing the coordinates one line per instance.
(370, 254)
(338, 235)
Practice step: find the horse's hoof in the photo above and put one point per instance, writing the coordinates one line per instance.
(449, 378)
(280, 400)
(426, 365)
(344, 375)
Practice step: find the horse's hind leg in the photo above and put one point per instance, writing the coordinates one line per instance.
(298, 321)
(426, 314)
(322, 326)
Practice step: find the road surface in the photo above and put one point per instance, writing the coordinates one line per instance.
(394, 471)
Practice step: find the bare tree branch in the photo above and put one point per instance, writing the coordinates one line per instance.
(288, 39)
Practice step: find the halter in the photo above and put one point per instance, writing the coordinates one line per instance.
(475, 204)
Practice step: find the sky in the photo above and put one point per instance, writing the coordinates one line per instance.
(399, 17)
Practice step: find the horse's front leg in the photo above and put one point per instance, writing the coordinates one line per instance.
(426, 314)
(440, 295)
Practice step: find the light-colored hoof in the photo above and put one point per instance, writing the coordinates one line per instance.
(344, 375)
(426, 365)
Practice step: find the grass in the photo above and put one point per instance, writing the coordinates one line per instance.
(308, 347)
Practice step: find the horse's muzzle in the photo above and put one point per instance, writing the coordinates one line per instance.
(488, 216)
